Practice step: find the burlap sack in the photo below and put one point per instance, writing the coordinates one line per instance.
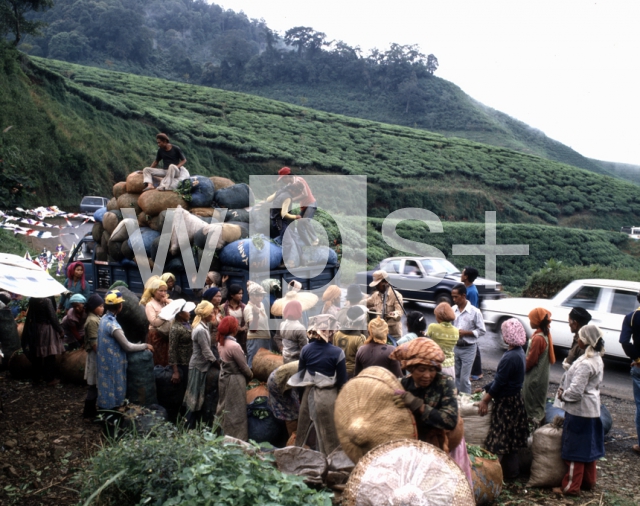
(115, 250)
(143, 219)
(183, 221)
(129, 201)
(264, 363)
(96, 231)
(153, 202)
(476, 427)
(112, 205)
(119, 189)
(366, 414)
(121, 233)
(110, 221)
(548, 468)
(101, 254)
(221, 182)
(71, 366)
(254, 393)
(205, 212)
(135, 182)
(487, 479)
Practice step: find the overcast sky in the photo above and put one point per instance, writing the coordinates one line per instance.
(569, 68)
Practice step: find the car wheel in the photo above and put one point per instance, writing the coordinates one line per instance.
(444, 297)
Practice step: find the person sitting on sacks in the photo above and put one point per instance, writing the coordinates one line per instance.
(376, 351)
(579, 396)
(73, 323)
(154, 299)
(113, 347)
(292, 335)
(350, 338)
(509, 428)
(386, 303)
(578, 318)
(322, 372)
(173, 162)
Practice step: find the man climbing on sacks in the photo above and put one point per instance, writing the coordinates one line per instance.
(173, 162)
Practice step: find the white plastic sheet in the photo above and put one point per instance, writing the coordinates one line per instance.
(20, 276)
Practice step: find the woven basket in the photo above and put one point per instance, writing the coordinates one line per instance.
(407, 472)
(366, 415)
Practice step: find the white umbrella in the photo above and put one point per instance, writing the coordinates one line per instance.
(18, 275)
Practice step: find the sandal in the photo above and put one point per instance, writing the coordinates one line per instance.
(636, 449)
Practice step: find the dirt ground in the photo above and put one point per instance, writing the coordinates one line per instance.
(44, 441)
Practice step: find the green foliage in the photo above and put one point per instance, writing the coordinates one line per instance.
(13, 20)
(9, 243)
(173, 466)
(548, 281)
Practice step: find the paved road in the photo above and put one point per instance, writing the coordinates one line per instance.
(617, 382)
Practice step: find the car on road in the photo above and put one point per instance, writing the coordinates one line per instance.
(426, 279)
(608, 301)
(91, 204)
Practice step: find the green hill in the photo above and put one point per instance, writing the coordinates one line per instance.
(192, 41)
(85, 128)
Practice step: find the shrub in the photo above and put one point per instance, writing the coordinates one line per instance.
(173, 466)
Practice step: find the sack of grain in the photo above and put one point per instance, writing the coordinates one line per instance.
(143, 219)
(127, 251)
(202, 212)
(237, 215)
(309, 464)
(228, 233)
(262, 426)
(132, 318)
(221, 182)
(202, 190)
(547, 468)
(148, 237)
(183, 222)
(112, 205)
(111, 219)
(487, 478)
(101, 254)
(71, 366)
(141, 380)
(476, 427)
(264, 363)
(407, 472)
(19, 365)
(121, 232)
(550, 412)
(129, 201)
(115, 250)
(153, 202)
(119, 189)
(135, 182)
(237, 196)
(252, 253)
(96, 231)
(366, 415)
(154, 222)
(259, 391)
(104, 240)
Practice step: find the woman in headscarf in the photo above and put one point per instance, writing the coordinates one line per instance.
(292, 335)
(416, 325)
(154, 299)
(579, 396)
(75, 283)
(331, 298)
(235, 307)
(73, 322)
(201, 360)
(376, 351)
(232, 385)
(42, 339)
(445, 335)
(540, 356)
(509, 428)
(113, 347)
(180, 344)
(214, 295)
(215, 280)
(173, 291)
(322, 372)
(431, 397)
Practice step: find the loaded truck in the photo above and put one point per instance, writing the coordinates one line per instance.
(102, 274)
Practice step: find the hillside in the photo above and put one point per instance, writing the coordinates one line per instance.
(192, 41)
(91, 127)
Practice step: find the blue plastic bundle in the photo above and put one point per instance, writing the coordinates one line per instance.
(202, 191)
(99, 214)
(237, 196)
(551, 412)
(252, 253)
(148, 236)
(263, 426)
(141, 380)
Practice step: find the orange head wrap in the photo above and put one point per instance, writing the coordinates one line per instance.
(444, 312)
(536, 317)
(419, 351)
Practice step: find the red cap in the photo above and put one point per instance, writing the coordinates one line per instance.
(284, 171)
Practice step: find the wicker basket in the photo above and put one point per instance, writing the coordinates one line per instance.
(407, 472)
(366, 415)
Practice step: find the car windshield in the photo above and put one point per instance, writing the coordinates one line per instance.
(439, 265)
(92, 201)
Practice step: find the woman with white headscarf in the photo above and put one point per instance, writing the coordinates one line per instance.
(579, 396)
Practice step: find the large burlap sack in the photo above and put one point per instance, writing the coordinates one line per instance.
(259, 391)
(121, 233)
(264, 363)
(237, 196)
(183, 221)
(221, 182)
(407, 472)
(263, 426)
(119, 189)
(228, 233)
(143, 219)
(202, 191)
(202, 212)
(252, 253)
(366, 415)
(101, 254)
(111, 219)
(135, 182)
(19, 365)
(71, 366)
(155, 223)
(9, 338)
(476, 427)
(96, 231)
(141, 380)
(104, 240)
(309, 464)
(115, 250)
(548, 468)
(127, 251)
(112, 205)
(129, 201)
(132, 318)
(153, 202)
(487, 479)
(148, 237)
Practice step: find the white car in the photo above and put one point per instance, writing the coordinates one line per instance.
(607, 300)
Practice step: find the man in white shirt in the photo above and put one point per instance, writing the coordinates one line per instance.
(470, 324)
(259, 335)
